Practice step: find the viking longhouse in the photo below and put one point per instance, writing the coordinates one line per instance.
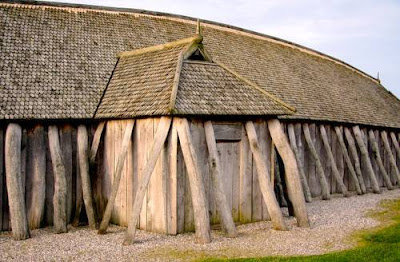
(159, 122)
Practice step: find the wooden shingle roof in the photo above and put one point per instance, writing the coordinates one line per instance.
(56, 62)
(160, 80)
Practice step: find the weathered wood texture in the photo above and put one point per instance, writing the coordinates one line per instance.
(19, 222)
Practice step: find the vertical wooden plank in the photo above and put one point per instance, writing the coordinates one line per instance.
(148, 138)
(116, 212)
(313, 182)
(108, 160)
(236, 180)
(246, 179)
(66, 148)
(181, 192)
(257, 197)
(265, 142)
(49, 185)
(364, 165)
(137, 165)
(24, 154)
(172, 182)
(1, 175)
(131, 181)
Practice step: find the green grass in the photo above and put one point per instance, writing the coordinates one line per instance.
(379, 244)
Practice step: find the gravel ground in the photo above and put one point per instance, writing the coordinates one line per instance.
(331, 224)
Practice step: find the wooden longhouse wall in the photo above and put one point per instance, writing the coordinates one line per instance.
(168, 206)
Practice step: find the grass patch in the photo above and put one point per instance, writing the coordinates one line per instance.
(379, 244)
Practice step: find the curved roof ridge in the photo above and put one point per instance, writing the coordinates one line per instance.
(186, 19)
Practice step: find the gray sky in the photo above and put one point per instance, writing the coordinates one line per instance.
(363, 33)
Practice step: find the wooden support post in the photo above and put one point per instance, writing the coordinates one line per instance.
(16, 199)
(264, 181)
(215, 165)
(159, 140)
(172, 198)
(82, 141)
(60, 182)
(292, 175)
(199, 201)
(322, 179)
(335, 170)
(365, 157)
(36, 180)
(354, 154)
(352, 171)
(396, 144)
(378, 158)
(96, 141)
(391, 157)
(292, 139)
(117, 176)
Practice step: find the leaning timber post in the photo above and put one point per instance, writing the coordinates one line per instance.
(354, 154)
(322, 179)
(96, 142)
(292, 174)
(396, 144)
(264, 181)
(222, 204)
(365, 157)
(16, 199)
(117, 176)
(390, 153)
(60, 182)
(292, 140)
(353, 174)
(82, 142)
(158, 144)
(199, 201)
(36, 166)
(378, 158)
(335, 170)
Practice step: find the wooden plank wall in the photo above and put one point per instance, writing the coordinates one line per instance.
(167, 205)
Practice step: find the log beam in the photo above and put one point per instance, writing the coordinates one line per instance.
(16, 199)
(292, 140)
(96, 141)
(352, 171)
(117, 176)
(396, 144)
(264, 181)
(83, 158)
(354, 154)
(292, 174)
(60, 181)
(199, 201)
(159, 140)
(332, 161)
(215, 166)
(378, 158)
(322, 179)
(366, 159)
(392, 161)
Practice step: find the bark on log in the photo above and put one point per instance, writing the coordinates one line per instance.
(378, 158)
(36, 167)
(117, 176)
(292, 139)
(352, 171)
(16, 199)
(264, 181)
(335, 170)
(392, 161)
(222, 204)
(96, 142)
(199, 201)
(158, 143)
(60, 182)
(322, 179)
(367, 161)
(357, 166)
(292, 175)
(83, 147)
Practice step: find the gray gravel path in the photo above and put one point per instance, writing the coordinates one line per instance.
(331, 224)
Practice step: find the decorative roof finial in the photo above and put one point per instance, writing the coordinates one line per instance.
(377, 77)
(198, 28)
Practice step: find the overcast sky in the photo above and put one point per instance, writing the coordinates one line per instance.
(363, 33)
